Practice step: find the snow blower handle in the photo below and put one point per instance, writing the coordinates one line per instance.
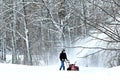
(67, 61)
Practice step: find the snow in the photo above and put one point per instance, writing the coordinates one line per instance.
(87, 46)
(90, 42)
(23, 72)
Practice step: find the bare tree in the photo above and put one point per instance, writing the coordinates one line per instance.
(38, 29)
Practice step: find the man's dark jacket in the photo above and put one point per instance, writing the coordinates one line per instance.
(63, 56)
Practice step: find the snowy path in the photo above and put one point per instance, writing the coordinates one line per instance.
(19, 72)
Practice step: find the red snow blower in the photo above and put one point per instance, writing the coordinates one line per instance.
(72, 67)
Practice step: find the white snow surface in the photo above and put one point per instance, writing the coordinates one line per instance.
(23, 72)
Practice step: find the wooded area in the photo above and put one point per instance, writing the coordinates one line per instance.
(38, 29)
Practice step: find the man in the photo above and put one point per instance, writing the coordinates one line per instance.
(63, 57)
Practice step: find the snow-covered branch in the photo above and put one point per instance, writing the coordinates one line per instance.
(99, 48)
(17, 33)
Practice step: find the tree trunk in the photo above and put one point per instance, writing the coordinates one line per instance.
(27, 55)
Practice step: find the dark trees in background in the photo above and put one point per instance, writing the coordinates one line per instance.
(39, 29)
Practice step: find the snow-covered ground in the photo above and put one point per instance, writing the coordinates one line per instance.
(21, 72)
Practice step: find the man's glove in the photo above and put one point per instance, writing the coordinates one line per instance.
(67, 60)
